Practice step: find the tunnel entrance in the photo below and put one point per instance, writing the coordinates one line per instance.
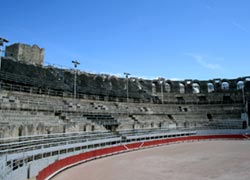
(210, 117)
(244, 125)
(111, 128)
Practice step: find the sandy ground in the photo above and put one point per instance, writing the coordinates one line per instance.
(224, 160)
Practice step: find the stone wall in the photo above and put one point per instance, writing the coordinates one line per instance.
(23, 114)
(186, 104)
(48, 78)
(26, 53)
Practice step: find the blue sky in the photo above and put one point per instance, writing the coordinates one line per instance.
(174, 39)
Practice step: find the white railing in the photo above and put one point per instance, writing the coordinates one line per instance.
(28, 155)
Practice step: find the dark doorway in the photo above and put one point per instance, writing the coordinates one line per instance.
(210, 117)
(244, 125)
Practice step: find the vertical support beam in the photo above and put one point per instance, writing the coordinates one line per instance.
(75, 65)
(0, 56)
(2, 41)
(162, 95)
(75, 85)
(127, 74)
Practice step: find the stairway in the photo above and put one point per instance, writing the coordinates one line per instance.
(102, 119)
(134, 118)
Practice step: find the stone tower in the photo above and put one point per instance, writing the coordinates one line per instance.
(25, 53)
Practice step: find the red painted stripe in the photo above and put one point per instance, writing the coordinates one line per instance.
(60, 164)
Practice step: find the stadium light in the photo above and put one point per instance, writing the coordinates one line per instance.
(75, 65)
(127, 74)
(162, 96)
(2, 41)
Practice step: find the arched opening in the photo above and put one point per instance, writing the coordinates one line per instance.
(182, 88)
(244, 125)
(168, 87)
(196, 88)
(64, 128)
(186, 124)
(20, 131)
(210, 117)
(210, 87)
(225, 86)
(153, 89)
(92, 127)
(240, 85)
(180, 109)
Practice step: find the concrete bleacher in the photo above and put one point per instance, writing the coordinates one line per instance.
(21, 123)
(39, 117)
(44, 109)
(39, 113)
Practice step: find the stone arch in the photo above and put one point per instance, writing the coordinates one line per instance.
(186, 124)
(168, 87)
(161, 83)
(225, 86)
(182, 88)
(153, 88)
(244, 125)
(247, 83)
(196, 88)
(240, 85)
(210, 87)
(20, 131)
(188, 86)
(247, 79)
(138, 84)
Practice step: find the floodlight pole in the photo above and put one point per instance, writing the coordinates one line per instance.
(75, 65)
(162, 96)
(244, 104)
(127, 74)
(2, 41)
(243, 95)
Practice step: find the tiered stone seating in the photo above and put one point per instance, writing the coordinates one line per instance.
(125, 122)
(46, 114)
(22, 123)
(155, 121)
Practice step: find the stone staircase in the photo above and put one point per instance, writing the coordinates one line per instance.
(102, 119)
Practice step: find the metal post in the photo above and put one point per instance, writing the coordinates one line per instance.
(243, 95)
(247, 118)
(2, 41)
(127, 74)
(0, 57)
(75, 65)
(162, 96)
(245, 106)
(75, 85)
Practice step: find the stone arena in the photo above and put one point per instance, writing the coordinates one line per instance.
(53, 118)
(218, 159)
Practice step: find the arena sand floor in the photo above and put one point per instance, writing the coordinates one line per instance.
(203, 160)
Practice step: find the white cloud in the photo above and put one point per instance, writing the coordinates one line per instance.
(203, 61)
(176, 79)
(240, 26)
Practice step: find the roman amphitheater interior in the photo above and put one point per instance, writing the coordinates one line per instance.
(46, 105)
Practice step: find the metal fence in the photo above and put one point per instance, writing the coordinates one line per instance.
(26, 152)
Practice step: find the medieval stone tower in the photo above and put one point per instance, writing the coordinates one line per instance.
(25, 53)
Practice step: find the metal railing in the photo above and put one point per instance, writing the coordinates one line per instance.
(13, 82)
(65, 94)
(61, 145)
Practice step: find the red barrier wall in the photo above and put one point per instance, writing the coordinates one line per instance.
(69, 161)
